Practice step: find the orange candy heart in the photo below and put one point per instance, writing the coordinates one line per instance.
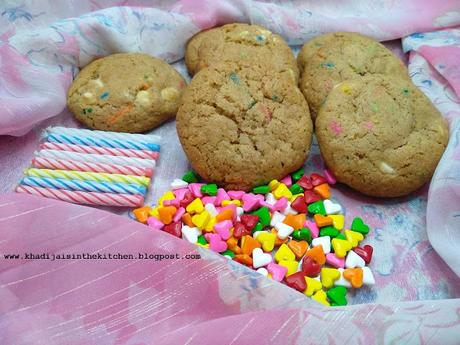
(298, 247)
(248, 244)
(187, 219)
(354, 276)
(243, 259)
(322, 220)
(296, 221)
(224, 215)
(278, 241)
(166, 214)
(323, 191)
(232, 244)
(317, 254)
(142, 213)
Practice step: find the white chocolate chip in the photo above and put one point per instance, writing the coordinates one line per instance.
(89, 97)
(266, 32)
(169, 94)
(385, 168)
(143, 98)
(244, 33)
(96, 84)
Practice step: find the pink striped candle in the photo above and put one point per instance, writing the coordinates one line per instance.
(101, 150)
(51, 163)
(90, 198)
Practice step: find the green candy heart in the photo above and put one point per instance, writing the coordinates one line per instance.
(209, 189)
(296, 189)
(338, 295)
(264, 215)
(317, 208)
(341, 237)
(261, 190)
(258, 227)
(202, 240)
(190, 177)
(298, 174)
(329, 231)
(228, 252)
(303, 234)
(359, 226)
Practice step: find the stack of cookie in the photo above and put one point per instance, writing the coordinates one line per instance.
(243, 121)
(377, 132)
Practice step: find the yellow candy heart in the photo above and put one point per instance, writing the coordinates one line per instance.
(338, 221)
(203, 245)
(200, 220)
(321, 297)
(341, 247)
(267, 240)
(284, 253)
(210, 225)
(154, 212)
(166, 196)
(228, 202)
(313, 285)
(269, 276)
(293, 197)
(290, 265)
(196, 206)
(282, 190)
(329, 276)
(273, 185)
(353, 237)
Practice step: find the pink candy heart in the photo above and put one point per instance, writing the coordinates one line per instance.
(333, 260)
(223, 229)
(179, 213)
(236, 194)
(174, 202)
(221, 196)
(215, 242)
(195, 188)
(287, 180)
(277, 271)
(208, 200)
(155, 223)
(281, 204)
(250, 202)
(180, 193)
(313, 228)
(330, 178)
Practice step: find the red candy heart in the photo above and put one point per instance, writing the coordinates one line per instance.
(174, 229)
(365, 252)
(299, 205)
(297, 281)
(249, 220)
(239, 230)
(317, 179)
(188, 198)
(310, 197)
(305, 182)
(310, 267)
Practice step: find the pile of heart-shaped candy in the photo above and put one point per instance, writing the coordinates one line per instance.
(288, 230)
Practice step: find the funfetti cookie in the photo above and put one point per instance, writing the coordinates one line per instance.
(330, 59)
(381, 135)
(240, 42)
(129, 92)
(242, 126)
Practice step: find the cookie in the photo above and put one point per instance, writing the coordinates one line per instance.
(243, 125)
(240, 42)
(332, 58)
(126, 93)
(381, 135)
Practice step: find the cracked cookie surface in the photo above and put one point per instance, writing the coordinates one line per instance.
(242, 126)
(332, 58)
(240, 42)
(381, 135)
(128, 92)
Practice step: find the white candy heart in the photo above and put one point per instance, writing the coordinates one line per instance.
(289, 210)
(277, 218)
(263, 271)
(178, 184)
(324, 241)
(260, 259)
(191, 234)
(331, 207)
(239, 212)
(270, 199)
(342, 281)
(368, 277)
(354, 260)
(211, 209)
(284, 230)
